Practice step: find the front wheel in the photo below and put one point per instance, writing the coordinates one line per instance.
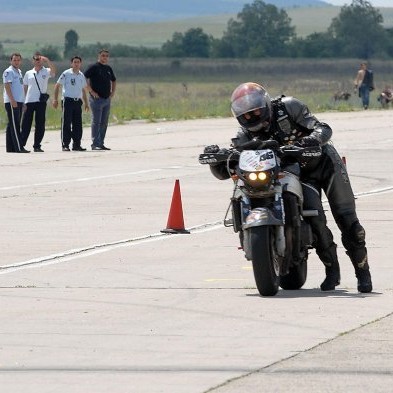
(264, 260)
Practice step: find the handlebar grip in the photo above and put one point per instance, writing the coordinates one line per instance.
(256, 144)
(271, 144)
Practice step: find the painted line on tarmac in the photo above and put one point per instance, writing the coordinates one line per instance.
(101, 248)
(369, 193)
(85, 179)
(105, 247)
(373, 192)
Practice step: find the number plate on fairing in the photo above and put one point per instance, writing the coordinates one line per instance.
(257, 160)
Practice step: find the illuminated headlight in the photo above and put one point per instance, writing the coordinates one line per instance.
(253, 176)
(258, 176)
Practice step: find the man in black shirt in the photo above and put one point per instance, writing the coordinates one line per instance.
(102, 81)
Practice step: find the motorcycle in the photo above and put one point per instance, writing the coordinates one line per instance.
(267, 210)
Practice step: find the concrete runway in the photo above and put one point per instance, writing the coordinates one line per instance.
(94, 298)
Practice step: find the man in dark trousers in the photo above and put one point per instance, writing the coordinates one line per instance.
(14, 96)
(364, 82)
(102, 85)
(74, 86)
(35, 83)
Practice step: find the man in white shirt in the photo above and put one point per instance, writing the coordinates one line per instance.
(14, 97)
(35, 83)
(74, 87)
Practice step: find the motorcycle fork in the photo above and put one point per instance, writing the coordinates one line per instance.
(292, 227)
(236, 214)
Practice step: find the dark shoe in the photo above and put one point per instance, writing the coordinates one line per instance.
(105, 148)
(362, 270)
(78, 148)
(332, 279)
(96, 147)
(38, 150)
(332, 267)
(23, 150)
(364, 280)
(66, 148)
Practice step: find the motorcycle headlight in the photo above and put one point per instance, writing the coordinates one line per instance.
(258, 178)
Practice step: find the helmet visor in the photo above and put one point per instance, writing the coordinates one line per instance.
(256, 120)
(247, 103)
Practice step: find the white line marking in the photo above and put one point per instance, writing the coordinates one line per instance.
(83, 179)
(105, 247)
(100, 248)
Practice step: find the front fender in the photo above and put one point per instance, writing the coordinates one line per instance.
(261, 216)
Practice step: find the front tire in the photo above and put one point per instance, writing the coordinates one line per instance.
(264, 260)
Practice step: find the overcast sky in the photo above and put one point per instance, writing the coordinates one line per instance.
(374, 3)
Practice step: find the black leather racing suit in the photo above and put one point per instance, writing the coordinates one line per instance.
(291, 122)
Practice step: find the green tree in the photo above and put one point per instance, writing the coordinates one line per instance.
(316, 45)
(358, 30)
(389, 45)
(70, 42)
(193, 43)
(260, 30)
(51, 52)
(196, 43)
(174, 47)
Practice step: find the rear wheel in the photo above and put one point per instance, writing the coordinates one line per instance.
(294, 268)
(296, 276)
(264, 260)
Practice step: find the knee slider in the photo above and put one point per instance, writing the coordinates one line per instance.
(355, 237)
(358, 232)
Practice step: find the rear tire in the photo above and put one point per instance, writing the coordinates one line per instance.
(264, 260)
(296, 277)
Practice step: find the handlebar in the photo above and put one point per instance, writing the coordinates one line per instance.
(256, 144)
(297, 152)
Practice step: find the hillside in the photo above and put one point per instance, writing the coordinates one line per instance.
(48, 11)
(28, 37)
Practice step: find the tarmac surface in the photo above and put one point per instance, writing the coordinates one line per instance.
(94, 298)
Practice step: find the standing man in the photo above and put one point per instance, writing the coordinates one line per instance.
(74, 87)
(364, 82)
(102, 83)
(35, 82)
(14, 97)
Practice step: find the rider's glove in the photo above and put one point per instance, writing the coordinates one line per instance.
(308, 141)
(224, 150)
(211, 149)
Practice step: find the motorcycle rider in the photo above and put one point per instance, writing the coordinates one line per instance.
(289, 121)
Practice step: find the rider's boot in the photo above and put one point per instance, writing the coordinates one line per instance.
(362, 270)
(332, 268)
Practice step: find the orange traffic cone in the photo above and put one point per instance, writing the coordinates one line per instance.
(175, 222)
